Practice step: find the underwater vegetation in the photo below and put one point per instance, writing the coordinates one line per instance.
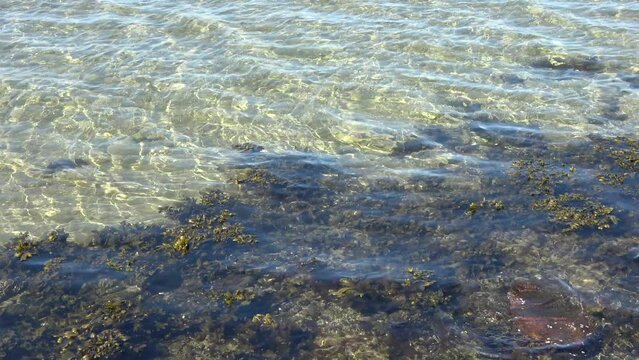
(295, 258)
(577, 212)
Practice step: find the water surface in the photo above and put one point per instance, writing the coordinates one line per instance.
(357, 140)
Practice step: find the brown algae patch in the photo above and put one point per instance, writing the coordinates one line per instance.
(207, 221)
(484, 204)
(577, 212)
(443, 285)
(25, 248)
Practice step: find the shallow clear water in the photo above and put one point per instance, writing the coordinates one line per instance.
(153, 93)
(381, 123)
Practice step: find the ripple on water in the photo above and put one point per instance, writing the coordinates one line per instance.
(368, 144)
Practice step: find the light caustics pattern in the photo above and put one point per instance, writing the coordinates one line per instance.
(112, 108)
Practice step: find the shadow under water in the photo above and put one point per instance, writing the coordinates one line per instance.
(300, 257)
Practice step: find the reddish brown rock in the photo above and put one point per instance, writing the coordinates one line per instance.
(548, 314)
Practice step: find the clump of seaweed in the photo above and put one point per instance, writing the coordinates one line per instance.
(422, 278)
(182, 243)
(25, 248)
(213, 197)
(90, 345)
(57, 236)
(99, 332)
(234, 232)
(207, 220)
(129, 236)
(620, 159)
(577, 212)
(116, 309)
(626, 153)
(201, 228)
(263, 320)
(484, 204)
(259, 177)
(238, 296)
(543, 177)
(611, 179)
(374, 296)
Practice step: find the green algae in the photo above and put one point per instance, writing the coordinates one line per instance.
(625, 152)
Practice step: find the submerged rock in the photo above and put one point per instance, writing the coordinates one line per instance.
(632, 79)
(248, 147)
(548, 316)
(64, 164)
(511, 79)
(412, 146)
(590, 64)
(508, 135)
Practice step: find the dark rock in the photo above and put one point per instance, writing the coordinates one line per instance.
(164, 280)
(632, 79)
(511, 79)
(547, 314)
(412, 146)
(589, 64)
(248, 147)
(64, 164)
(507, 134)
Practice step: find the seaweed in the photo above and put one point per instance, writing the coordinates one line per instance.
(25, 248)
(263, 320)
(347, 266)
(577, 212)
(541, 174)
(238, 296)
(57, 236)
(484, 204)
(259, 177)
(206, 220)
